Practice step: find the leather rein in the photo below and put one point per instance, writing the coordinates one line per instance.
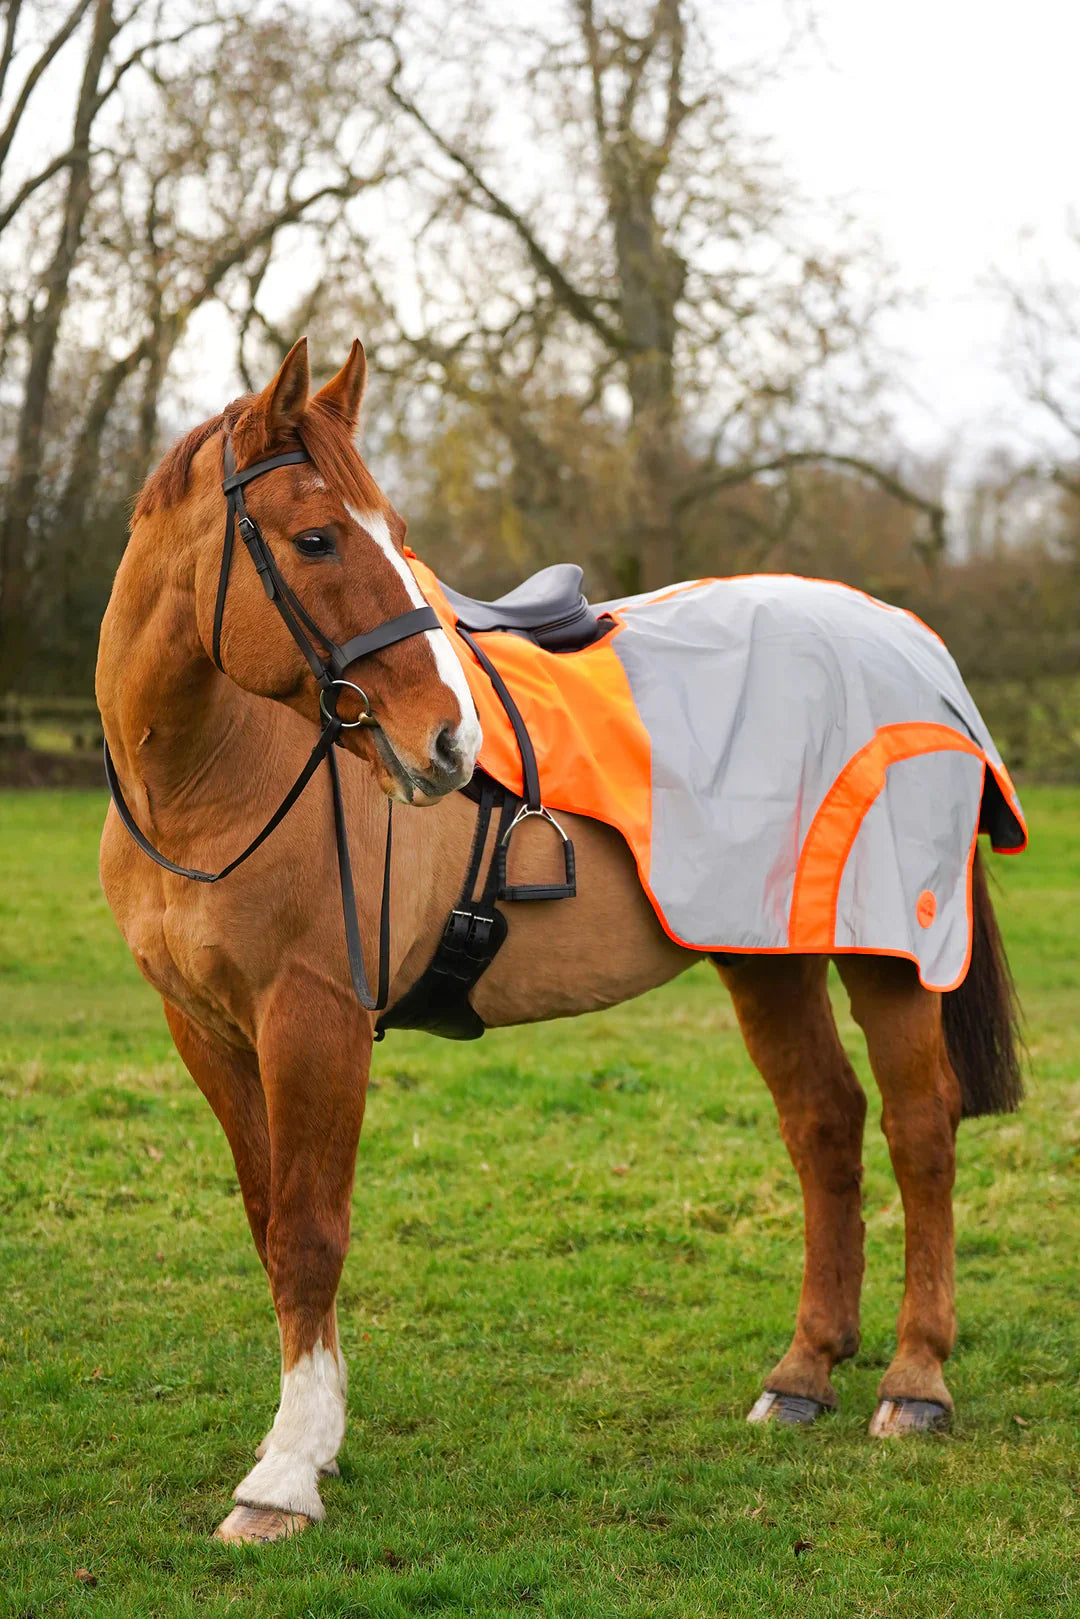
(329, 670)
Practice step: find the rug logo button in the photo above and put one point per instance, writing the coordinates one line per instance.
(926, 908)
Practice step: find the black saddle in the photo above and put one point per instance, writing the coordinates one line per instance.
(549, 609)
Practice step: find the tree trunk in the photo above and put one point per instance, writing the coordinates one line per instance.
(650, 282)
(16, 528)
(651, 275)
(651, 550)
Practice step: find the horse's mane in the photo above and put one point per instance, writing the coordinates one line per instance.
(322, 432)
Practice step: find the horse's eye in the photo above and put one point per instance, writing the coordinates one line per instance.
(317, 543)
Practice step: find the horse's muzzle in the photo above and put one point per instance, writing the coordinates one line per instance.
(449, 767)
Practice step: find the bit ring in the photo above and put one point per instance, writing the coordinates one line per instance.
(366, 718)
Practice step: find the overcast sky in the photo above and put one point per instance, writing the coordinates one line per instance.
(953, 126)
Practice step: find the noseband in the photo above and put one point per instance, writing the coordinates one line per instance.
(329, 671)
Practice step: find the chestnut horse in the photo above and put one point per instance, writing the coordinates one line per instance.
(253, 972)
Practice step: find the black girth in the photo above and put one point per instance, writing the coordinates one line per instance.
(329, 670)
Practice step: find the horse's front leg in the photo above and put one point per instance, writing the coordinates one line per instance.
(314, 1051)
(229, 1079)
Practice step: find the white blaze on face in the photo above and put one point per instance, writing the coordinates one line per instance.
(467, 736)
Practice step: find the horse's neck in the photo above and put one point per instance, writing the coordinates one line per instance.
(170, 717)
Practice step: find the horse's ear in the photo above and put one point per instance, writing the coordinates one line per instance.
(283, 403)
(344, 392)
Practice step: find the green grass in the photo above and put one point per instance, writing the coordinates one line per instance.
(550, 1361)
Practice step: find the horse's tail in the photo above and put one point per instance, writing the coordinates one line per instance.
(982, 1016)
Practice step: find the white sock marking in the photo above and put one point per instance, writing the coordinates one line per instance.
(306, 1436)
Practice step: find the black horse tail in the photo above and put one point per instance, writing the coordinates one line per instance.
(982, 1016)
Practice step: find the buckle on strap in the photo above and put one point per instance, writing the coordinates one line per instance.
(564, 890)
(468, 931)
(470, 940)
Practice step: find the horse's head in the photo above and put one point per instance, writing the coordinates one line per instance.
(337, 542)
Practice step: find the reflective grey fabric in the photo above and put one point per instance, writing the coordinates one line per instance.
(902, 851)
(755, 693)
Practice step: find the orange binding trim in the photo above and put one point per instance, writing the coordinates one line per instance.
(816, 891)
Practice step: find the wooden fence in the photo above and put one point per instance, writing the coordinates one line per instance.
(1036, 724)
(49, 725)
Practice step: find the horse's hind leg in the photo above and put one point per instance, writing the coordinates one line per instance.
(920, 1112)
(783, 1008)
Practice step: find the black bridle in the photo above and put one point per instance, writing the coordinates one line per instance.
(329, 670)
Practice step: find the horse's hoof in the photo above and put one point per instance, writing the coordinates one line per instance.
(247, 1524)
(793, 1410)
(896, 1417)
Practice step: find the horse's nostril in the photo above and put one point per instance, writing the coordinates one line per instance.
(445, 750)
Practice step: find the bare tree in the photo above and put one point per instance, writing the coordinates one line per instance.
(606, 325)
(245, 132)
(44, 331)
(1044, 360)
(44, 56)
(653, 265)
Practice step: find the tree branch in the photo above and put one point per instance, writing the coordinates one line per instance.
(158, 42)
(1054, 473)
(8, 50)
(84, 458)
(592, 44)
(720, 478)
(676, 108)
(27, 189)
(573, 300)
(52, 48)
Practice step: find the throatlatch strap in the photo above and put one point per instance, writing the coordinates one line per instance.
(232, 483)
(223, 584)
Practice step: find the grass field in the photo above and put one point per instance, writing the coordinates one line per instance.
(576, 1252)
